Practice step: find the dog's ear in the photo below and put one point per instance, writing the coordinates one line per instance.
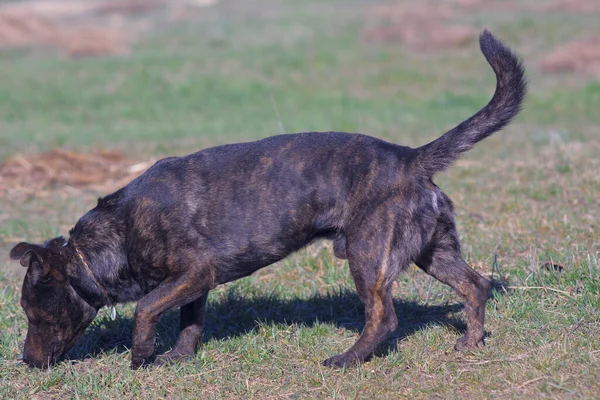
(32, 257)
(25, 252)
(56, 244)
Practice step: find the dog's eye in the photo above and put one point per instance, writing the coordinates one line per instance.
(44, 280)
(38, 279)
(31, 318)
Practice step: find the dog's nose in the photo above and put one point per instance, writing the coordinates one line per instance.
(26, 360)
(32, 364)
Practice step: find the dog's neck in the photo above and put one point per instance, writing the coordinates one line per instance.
(99, 257)
(89, 288)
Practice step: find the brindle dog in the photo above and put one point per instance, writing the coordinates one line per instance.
(191, 223)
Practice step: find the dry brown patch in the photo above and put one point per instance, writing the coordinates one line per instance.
(55, 24)
(21, 30)
(64, 9)
(59, 168)
(487, 5)
(576, 5)
(432, 25)
(581, 56)
(419, 26)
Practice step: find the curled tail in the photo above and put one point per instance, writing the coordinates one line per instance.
(511, 87)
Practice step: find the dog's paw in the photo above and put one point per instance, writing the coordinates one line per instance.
(464, 344)
(341, 361)
(171, 357)
(138, 362)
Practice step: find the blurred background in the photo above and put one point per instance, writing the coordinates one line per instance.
(92, 92)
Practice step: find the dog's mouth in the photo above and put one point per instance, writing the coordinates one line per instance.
(45, 362)
(38, 364)
(52, 358)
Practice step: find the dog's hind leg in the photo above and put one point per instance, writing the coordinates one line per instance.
(191, 322)
(373, 270)
(443, 261)
(339, 247)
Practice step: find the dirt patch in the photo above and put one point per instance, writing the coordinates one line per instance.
(27, 30)
(60, 168)
(490, 5)
(419, 26)
(581, 56)
(431, 25)
(576, 5)
(82, 28)
(77, 28)
(57, 9)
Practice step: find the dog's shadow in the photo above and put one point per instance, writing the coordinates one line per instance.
(233, 315)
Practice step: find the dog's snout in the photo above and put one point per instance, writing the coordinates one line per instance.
(38, 356)
(27, 360)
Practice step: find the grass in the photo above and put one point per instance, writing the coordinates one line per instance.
(526, 196)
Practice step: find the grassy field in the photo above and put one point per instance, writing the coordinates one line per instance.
(244, 70)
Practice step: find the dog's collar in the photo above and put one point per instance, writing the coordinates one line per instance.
(102, 289)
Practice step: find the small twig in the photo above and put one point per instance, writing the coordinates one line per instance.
(499, 360)
(202, 373)
(539, 288)
(428, 290)
(281, 128)
(529, 382)
(531, 262)
(576, 325)
(495, 267)
(561, 387)
(280, 396)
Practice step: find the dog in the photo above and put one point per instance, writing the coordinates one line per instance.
(191, 223)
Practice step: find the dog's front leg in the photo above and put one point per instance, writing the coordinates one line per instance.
(169, 294)
(191, 322)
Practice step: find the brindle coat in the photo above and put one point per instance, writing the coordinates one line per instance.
(191, 223)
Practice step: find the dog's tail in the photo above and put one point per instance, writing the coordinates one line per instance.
(511, 87)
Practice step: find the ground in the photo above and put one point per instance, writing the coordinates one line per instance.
(77, 125)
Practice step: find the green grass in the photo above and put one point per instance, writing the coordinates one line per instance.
(528, 195)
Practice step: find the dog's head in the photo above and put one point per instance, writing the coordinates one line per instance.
(57, 315)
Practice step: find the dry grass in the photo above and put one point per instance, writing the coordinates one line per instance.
(581, 56)
(420, 26)
(575, 5)
(428, 25)
(76, 28)
(58, 168)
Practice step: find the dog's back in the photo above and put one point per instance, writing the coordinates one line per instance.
(251, 204)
